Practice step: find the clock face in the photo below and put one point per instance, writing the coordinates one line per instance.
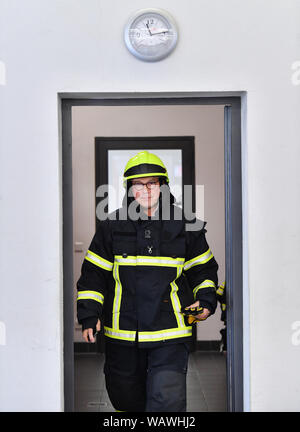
(151, 35)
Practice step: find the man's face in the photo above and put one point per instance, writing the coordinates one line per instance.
(146, 191)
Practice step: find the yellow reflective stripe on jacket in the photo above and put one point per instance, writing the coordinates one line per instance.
(120, 334)
(176, 302)
(90, 295)
(220, 290)
(164, 334)
(98, 260)
(148, 336)
(200, 259)
(148, 260)
(205, 284)
(177, 305)
(117, 298)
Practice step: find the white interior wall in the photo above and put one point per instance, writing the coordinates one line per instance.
(76, 46)
(206, 123)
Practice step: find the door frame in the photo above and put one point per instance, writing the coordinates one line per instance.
(184, 143)
(233, 222)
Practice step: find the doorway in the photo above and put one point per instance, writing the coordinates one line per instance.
(233, 237)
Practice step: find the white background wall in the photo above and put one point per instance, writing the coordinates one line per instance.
(53, 46)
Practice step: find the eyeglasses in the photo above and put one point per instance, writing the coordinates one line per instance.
(150, 185)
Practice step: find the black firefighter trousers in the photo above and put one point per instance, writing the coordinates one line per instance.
(146, 379)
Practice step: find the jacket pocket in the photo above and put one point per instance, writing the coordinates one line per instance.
(166, 304)
(174, 248)
(124, 244)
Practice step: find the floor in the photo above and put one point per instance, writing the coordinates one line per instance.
(206, 383)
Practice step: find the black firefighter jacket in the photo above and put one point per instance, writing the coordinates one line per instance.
(137, 275)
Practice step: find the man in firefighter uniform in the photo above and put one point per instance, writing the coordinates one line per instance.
(146, 267)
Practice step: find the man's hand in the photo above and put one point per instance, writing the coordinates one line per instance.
(87, 334)
(205, 314)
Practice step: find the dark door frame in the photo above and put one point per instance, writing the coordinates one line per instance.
(233, 222)
(184, 143)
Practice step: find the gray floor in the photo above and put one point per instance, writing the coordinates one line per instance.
(206, 383)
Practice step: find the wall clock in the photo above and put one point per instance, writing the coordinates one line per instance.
(151, 34)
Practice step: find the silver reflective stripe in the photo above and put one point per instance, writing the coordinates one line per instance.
(175, 297)
(121, 334)
(129, 260)
(200, 259)
(144, 260)
(117, 298)
(221, 288)
(164, 334)
(205, 284)
(99, 261)
(176, 302)
(90, 295)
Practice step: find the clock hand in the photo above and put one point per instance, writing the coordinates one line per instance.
(147, 25)
(159, 32)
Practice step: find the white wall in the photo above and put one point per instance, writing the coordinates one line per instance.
(76, 46)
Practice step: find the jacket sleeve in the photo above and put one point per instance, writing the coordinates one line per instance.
(96, 269)
(201, 269)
